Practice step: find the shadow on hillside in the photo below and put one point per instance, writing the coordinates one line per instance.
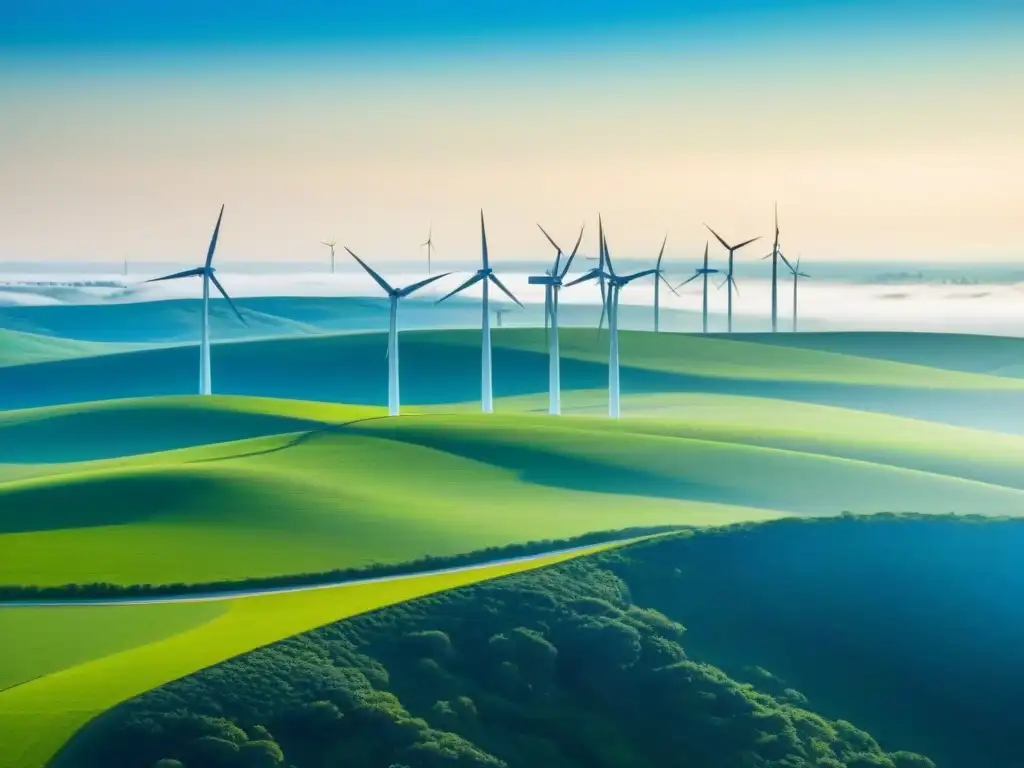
(311, 368)
(97, 435)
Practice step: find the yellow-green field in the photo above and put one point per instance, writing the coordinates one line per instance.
(40, 715)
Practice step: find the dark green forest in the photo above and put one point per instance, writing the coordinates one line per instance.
(846, 642)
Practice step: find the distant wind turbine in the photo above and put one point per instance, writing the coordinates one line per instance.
(394, 294)
(702, 272)
(485, 275)
(552, 282)
(429, 245)
(659, 278)
(797, 274)
(330, 244)
(207, 273)
(615, 284)
(500, 313)
(729, 280)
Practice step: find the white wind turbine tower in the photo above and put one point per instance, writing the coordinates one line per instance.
(207, 273)
(394, 294)
(702, 272)
(615, 284)
(552, 282)
(330, 244)
(485, 276)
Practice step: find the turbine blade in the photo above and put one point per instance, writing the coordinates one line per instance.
(661, 253)
(187, 273)
(483, 240)
(588, 276)
(734, 286)
(213, 240)
(718, 237)
(665, 280)
(416, 286)
(785, 260)
(572, 255)
(501, 285)
(550, 239)
(608, 259)
(216, 282)
(472, 281)
(377, 278)
(687, 281)
(638, 275)
(746, 242)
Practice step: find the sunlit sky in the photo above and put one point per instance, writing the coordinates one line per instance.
(881, 133)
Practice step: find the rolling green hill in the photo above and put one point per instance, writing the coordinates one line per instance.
(443, 367)
(165, 487)
(283, 487)
(996, 355)
(19, 348)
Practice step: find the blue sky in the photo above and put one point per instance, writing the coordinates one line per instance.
(882, 132)
(87, 24)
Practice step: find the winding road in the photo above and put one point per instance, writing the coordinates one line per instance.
(204, 597)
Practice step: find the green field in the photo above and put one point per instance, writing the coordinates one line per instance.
(353, 488)
(144, 485)
(20, 348)
(72, 686)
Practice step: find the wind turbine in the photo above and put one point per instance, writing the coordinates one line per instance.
(484, 275)
(552, 282)
(659, 278)
(394, 294)
(703, 271)
(500, 313)
(775, 274)
(797, 274)
(429, 245)
(601, 278)
(330, 244)
(615, 284)
(728, 277)
(207, 273)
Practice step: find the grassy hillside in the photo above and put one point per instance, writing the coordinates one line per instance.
(74, 685)
(442, 367)
(885, 642)
(323, 487)
(320, 500)
(996, 355)
(18, 348)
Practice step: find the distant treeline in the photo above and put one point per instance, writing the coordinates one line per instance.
(106, 591)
